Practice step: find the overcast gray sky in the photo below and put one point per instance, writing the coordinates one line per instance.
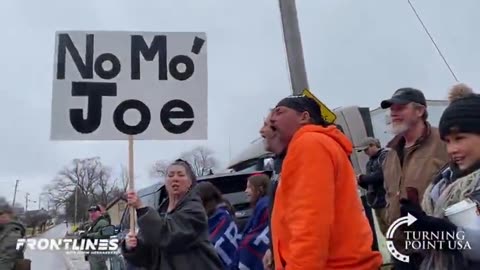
(357, 52)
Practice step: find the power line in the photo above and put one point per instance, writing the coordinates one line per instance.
(433, 41)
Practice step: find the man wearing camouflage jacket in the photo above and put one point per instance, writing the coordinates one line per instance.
(99, 221)
(10, 232)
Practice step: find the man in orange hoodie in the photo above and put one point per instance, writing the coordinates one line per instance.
(318, 221)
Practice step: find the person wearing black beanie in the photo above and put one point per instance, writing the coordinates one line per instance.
(460, 128)
(461, 116)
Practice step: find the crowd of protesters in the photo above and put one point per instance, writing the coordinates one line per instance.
(310, 211)
(309, 214)
(424, 171)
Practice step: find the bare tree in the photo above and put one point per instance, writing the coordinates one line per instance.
(110, 189)
(89, 177)
(159, 169)
(82, 173)
(58, 200)
(123, 177)
(106, 188)
(80, 203)
(202, 160)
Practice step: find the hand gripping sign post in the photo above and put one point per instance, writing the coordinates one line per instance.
(125, 85)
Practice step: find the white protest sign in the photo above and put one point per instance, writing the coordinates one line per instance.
(108, 85)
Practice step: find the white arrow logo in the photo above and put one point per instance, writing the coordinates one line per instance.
(409, 220)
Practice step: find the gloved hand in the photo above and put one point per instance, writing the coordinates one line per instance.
(407, 206)
(361, 182)
(83, 235)
(425, 222)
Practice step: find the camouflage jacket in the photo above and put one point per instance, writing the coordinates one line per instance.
(9, 234)
(95, 230)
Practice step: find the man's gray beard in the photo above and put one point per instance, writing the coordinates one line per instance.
(399, 129)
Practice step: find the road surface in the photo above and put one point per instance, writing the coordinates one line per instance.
(48, 260)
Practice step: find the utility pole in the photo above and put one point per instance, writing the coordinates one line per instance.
(293, 46)
(15, 193)
(39, 200)
(26, 201)
(40, 196)
(76, 201)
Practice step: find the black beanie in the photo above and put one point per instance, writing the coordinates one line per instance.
(303, 104)
(462, 115)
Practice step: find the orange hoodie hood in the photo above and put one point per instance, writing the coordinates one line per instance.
(331, 131)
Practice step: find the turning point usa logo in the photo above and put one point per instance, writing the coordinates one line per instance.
(416, 240)
(92, 246)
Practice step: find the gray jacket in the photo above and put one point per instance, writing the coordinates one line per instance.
(177, 240)
(9, 234)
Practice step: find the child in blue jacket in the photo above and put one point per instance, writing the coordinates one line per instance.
(254, 240)
(221, 223)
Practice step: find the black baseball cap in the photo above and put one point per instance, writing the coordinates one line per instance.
(94, 208)
(404, 96)
(303, 104)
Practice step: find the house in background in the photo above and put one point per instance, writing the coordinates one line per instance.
(116, 208)
(19, 210)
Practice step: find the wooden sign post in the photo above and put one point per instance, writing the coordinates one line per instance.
(131, 182)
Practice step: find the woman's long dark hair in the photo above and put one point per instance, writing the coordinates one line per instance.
(212, 197)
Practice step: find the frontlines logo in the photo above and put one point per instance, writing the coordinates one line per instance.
(92, 246)
(416, 240)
